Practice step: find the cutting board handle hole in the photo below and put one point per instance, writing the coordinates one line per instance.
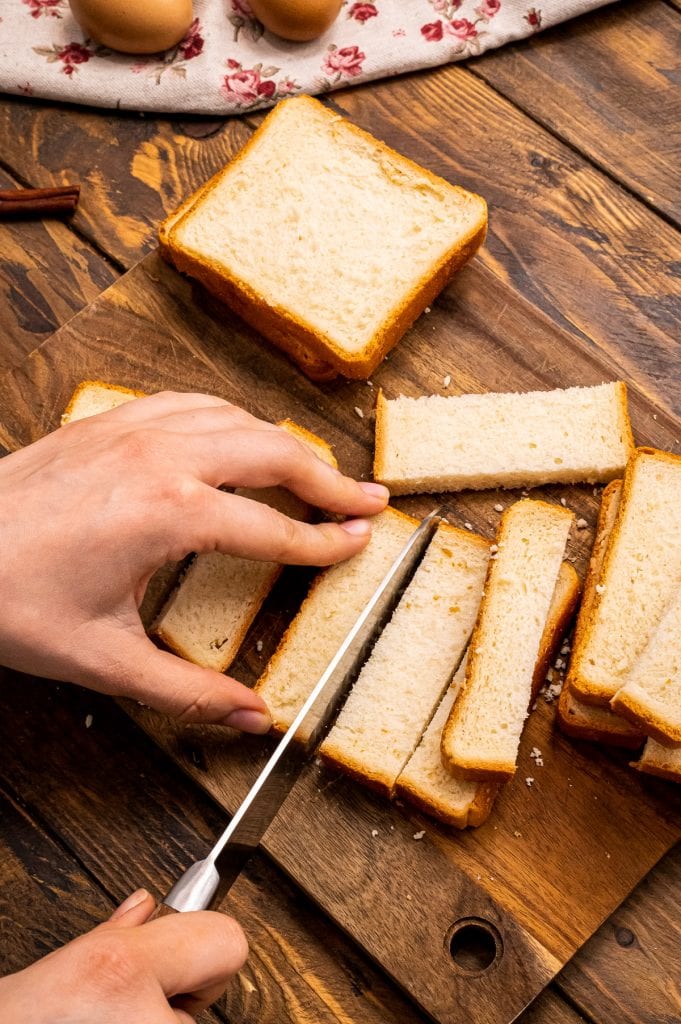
(474, 945)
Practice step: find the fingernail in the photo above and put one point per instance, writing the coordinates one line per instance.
(376, 491)
(249, 721)
(356, 527)
(133, 900)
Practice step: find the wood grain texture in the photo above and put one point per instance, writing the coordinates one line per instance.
(47, 273)
(132, 169)
(636, 951)
(562, 235)
(608, 84)
(131, 820)
(153, 329)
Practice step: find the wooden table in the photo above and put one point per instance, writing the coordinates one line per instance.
(571, 137)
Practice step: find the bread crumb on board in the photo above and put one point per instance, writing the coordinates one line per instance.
(581, 524)
(359, 412)
(447, 381)
(420, 835)
(374, 832)
(88, 721)
(529, 781)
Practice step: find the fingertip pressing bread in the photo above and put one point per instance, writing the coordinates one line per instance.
(459, 442)
(410, 666)
(482, 734)
(425, 781)
(640, 576)
(92, 397)
(206, 618)
(334, 601)
(325, 240)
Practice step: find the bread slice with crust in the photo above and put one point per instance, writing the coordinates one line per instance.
(333, 603)
(92, 397)
(460, 442)
(353, 246)
(412, 662)
(208, 615)
(656, 759)
(425, 781)
(640, 577)
(574, 717)
(482, 734)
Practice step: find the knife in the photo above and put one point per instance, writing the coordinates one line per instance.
(206, 881)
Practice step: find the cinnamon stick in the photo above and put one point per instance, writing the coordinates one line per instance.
(38, 202)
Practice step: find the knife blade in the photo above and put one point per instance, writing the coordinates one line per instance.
(206, 881)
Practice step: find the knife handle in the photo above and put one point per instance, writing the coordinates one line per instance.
(163, 910)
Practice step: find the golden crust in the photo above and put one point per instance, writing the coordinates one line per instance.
(580, 685)
(666, 770)
(85, 385)
(315, 351)
(641, 715)
(573, 719)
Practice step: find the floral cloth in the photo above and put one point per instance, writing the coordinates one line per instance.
(227, 63)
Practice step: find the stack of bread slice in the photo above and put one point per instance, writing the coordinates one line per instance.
(624, 680)
(358, 243)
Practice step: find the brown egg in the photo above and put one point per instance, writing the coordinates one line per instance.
(299, 20)
(134, 26)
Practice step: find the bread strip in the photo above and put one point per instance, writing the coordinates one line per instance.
(641, 575)
(656, 759)
(425, 781)
(411, 664)
(574, 717)
(357, 245)
(208, 615)
(92, 397)
(333, 603)
(483, 733)
(455, 443)
(651, 698)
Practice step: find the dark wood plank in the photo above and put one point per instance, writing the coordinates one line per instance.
(133, 819)
(132, 169)
(562, 235)
(630, 971)
(608, 84)
(47, 273)
(154, 329)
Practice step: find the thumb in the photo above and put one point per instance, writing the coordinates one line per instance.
(192, 694)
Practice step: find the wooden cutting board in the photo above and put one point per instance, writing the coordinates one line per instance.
(554, 859)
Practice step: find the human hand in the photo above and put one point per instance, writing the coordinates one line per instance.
(129, 970)
(89, 512)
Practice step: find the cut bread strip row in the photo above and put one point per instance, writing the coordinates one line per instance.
(574, 717)
(482, 735)
(334, 601)
(454, 443)
(425, 781)
(208, 615)
(412, 662)
(358, 243)
(656, 759)
(641, 576)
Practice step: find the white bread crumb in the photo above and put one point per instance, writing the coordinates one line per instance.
(419, 835)
(359, 412)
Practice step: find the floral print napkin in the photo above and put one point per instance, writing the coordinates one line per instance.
(227, 63)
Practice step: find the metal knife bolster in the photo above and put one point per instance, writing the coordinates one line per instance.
(201, 883)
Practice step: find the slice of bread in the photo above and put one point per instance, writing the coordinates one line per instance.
(455, 443)
(325, 240)
(651, 697)
(425, 781)
(412, 662)
(208, 615)
(334, 601)
(656, 759)
(94, 396)
(574, 717)
(482, 734)
(641, 575)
